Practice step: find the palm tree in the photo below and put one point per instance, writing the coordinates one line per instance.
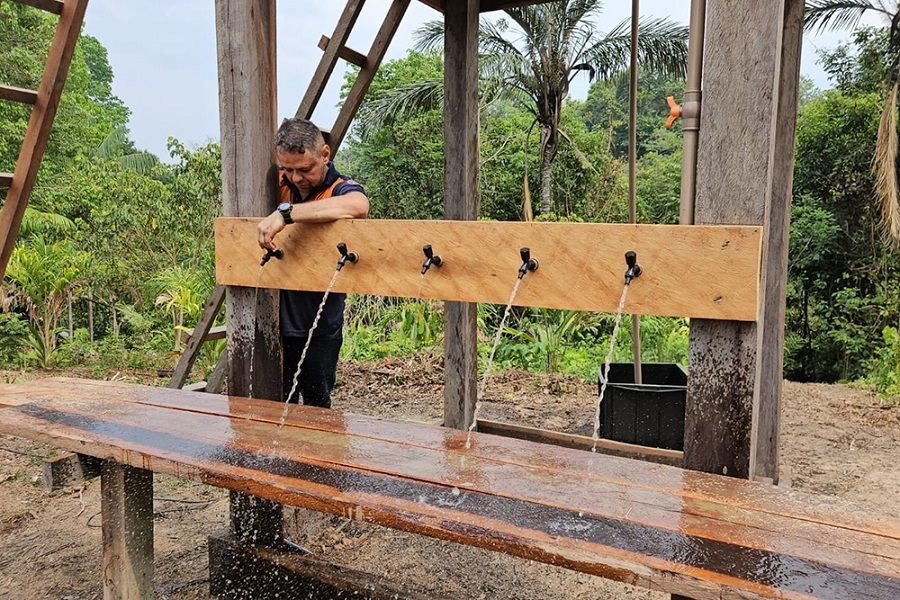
(845, 14)
(535, 63)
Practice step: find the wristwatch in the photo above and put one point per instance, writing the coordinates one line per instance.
(285, 209)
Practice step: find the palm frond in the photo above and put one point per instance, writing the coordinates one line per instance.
(141, 162)
(821, 15)
(429, 37)
(401, 103)
(885, 167)
(662, 48)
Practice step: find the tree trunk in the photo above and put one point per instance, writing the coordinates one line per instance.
(549, 146)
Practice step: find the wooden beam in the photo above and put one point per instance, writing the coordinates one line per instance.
(461, 166)
(39, 125)
(486, 5)
(16, 94)
(764, 451)
(698, 272)
(329, 59)
(198, 336)
(245, 33)
(6, 180)
(364, 78)
(126, 495)
(348, 54)
(580, 442)
(51, 6)
(743, 168)
(68, 470)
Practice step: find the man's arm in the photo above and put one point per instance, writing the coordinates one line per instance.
(353, 205)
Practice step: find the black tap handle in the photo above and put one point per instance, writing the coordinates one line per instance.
(342, 248)
(429, 253)
(525, 253)
(631, 258)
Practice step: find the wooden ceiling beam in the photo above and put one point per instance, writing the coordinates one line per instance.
(486, 5)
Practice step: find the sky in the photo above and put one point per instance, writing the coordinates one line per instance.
(163, 55)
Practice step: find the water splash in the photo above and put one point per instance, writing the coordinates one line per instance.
(487, 370)
(296, 379)
(605, 372)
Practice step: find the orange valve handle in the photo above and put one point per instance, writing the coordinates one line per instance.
(674, 111)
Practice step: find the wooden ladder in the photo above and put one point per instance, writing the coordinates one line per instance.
(334, 48)
(45, 102)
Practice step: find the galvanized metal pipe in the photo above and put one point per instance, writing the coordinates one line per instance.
(691, 111)
(632, 172)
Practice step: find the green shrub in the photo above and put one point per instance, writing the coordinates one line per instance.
(884, 369)
(13, 336)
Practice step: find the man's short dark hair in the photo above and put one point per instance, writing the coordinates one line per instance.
(299, 135)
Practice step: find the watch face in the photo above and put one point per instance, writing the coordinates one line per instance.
(284, 206)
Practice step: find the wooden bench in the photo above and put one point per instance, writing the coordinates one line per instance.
(650, 525)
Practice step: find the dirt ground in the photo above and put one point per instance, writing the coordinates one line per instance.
(835, 440)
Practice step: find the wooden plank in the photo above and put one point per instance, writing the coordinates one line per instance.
(6, 180)
(329, 59)
(526, 527)
(698, 272)
(126, 502)
(348, 54)
(364, 78)
(215, 382)
(580, 442)
(733, 171)
(204, 326)
(461, 164)
(16, 94)
(51, 6)
(68, 470)
(37, 131)
(766, 415)
(246, 42)
(568, 464)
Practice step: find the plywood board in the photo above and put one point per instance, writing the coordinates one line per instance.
(699, 271)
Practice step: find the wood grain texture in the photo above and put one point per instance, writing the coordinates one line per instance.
(706, 272)
(460, 189)
(245, 36)
(743, 158)
(505, 495)
(37, 133)
(126, 503)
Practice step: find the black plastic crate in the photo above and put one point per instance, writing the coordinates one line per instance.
(647, 414)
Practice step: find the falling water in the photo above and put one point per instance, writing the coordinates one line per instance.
(296, 379)
(253, 333)
(487, 370)
(605, 372)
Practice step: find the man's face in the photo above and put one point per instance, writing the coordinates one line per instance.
(306, 170)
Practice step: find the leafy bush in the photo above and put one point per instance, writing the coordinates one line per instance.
(884, 369)
(13, 332)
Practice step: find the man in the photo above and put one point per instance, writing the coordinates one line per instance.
(312, 191)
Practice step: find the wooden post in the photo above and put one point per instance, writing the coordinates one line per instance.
(127, 517)
(744, 171)
(460, 199)
(245, 36)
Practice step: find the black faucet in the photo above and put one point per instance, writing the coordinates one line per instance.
(346, 256)
(270, 254)
(430, 259)
(528, 263)
(634, 269)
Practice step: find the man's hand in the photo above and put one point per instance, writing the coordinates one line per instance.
(268, 228)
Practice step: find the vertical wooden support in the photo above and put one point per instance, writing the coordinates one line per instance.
(127, 513)
(245, 36)
(745, 162)
(764, 455)
(460, 198)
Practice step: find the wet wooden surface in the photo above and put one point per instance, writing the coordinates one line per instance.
(651, 525)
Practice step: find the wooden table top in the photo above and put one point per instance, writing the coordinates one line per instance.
(650, 525)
